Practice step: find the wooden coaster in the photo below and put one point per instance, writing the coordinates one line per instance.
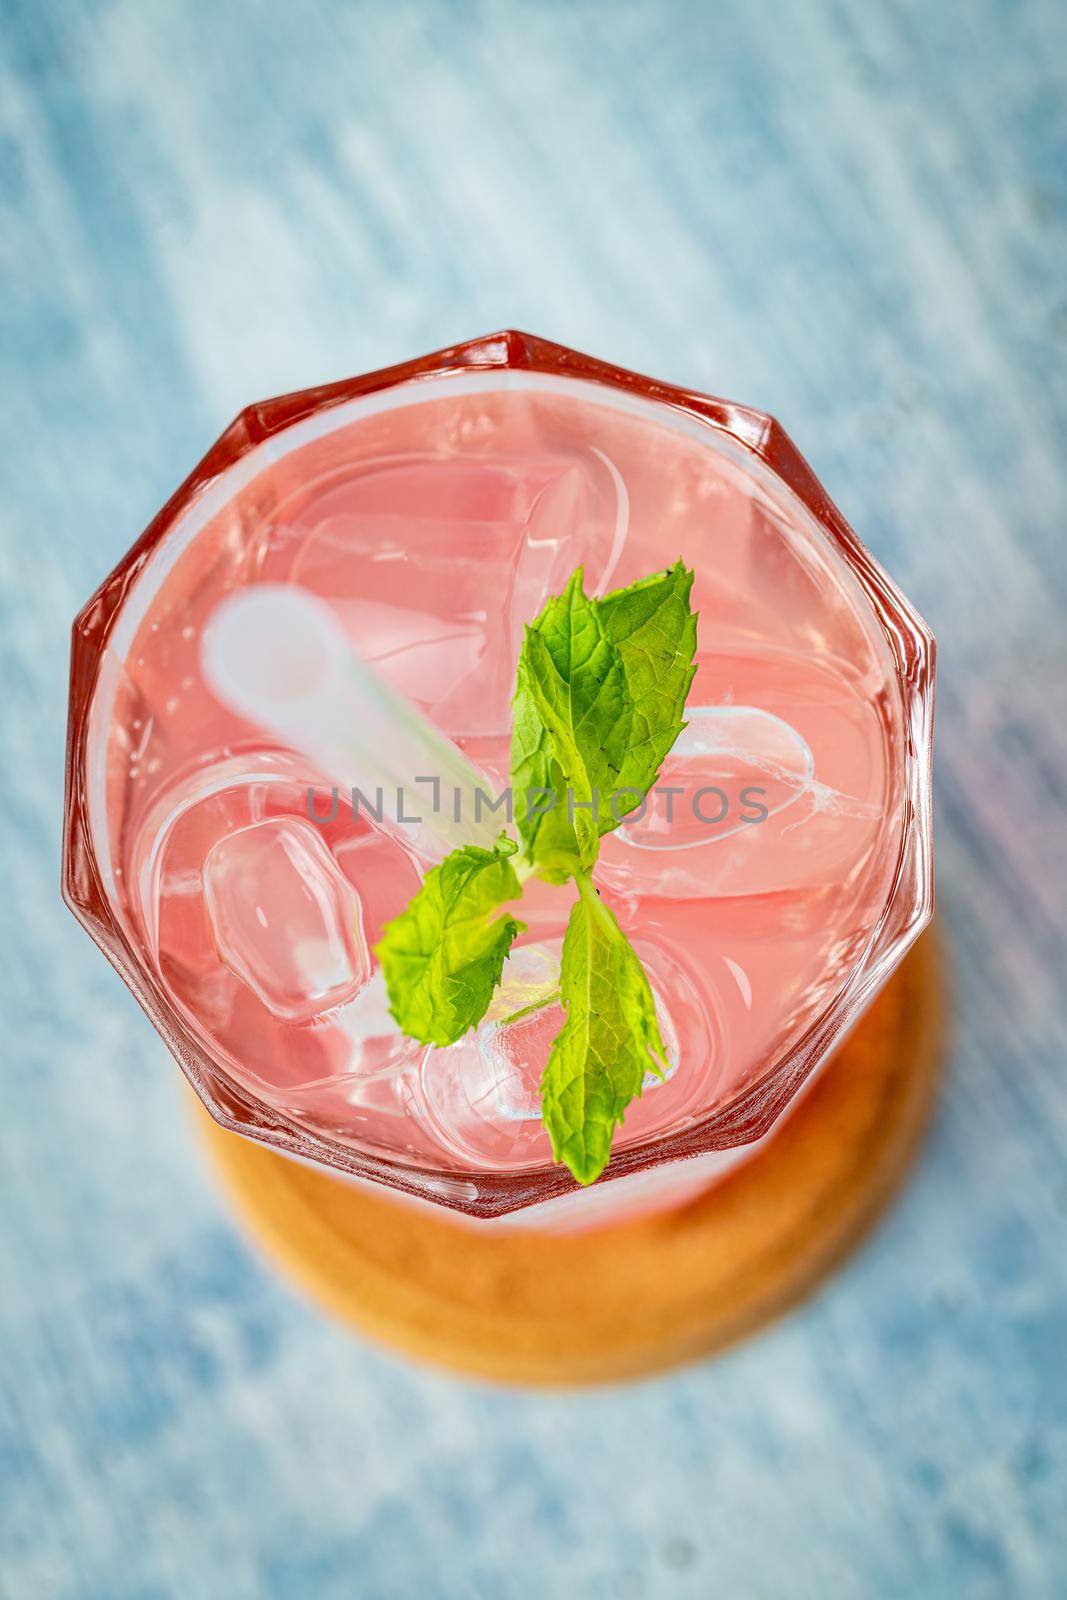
(631, 1298)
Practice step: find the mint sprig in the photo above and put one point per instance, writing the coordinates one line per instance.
(600, 691)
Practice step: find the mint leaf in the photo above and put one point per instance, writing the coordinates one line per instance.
(571, 718)
(539, 788)
(442, 957)
(654, 630)
(610, 1040)
(600, 692)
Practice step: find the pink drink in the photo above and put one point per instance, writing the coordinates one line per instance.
(435, 518)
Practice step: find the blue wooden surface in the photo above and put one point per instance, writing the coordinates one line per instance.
(854, 216)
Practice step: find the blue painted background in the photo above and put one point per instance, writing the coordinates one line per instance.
(852, 215)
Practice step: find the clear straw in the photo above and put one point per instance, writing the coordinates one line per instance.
(277, 656)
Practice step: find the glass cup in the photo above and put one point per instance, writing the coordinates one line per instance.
(239, 880)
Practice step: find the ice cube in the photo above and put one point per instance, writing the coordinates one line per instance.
(375, 1048)
(483, 1093)
(530, 981)
(510, 1058)
(436, 566)
(285, 919)
(724, 812)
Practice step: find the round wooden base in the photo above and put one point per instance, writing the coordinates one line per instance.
(523, 1306)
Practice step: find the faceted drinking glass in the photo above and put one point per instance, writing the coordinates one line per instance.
(779, 873)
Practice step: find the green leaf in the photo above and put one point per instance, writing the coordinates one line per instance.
(654, 630)
(547, 835)
(442, 957)
(601, 687)
(571, 727)
(610, 1040)
(571, 712)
